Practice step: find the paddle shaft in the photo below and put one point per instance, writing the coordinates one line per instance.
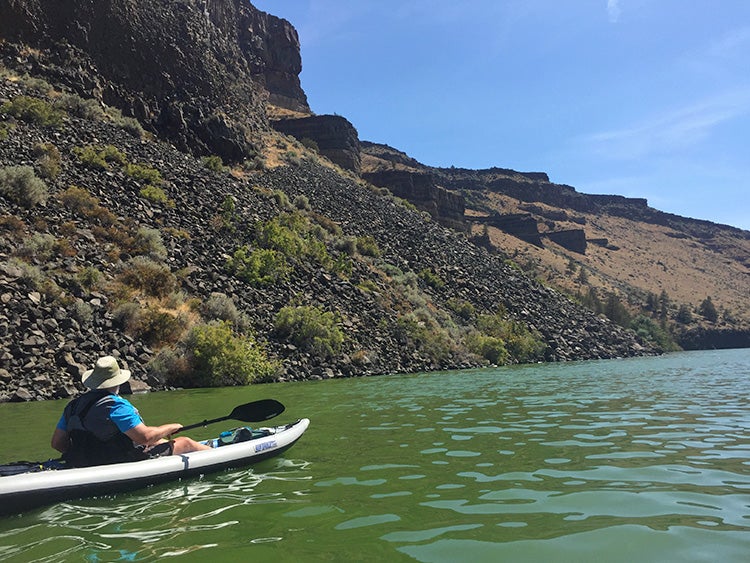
(204, 423)
(257, 411)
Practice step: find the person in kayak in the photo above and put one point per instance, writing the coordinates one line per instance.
(100, 427)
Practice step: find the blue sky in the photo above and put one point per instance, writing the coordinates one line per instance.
(641, 98)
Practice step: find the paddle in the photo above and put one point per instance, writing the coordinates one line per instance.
(257, 411)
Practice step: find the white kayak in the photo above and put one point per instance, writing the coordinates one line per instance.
(24, 491)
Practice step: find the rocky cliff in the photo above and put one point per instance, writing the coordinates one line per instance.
(197, 72)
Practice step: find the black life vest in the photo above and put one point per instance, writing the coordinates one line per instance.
(104, 446)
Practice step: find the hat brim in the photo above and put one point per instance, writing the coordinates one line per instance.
(119, 378)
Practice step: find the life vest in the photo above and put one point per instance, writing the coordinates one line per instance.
(102, 446)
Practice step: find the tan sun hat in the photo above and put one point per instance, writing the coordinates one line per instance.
(106, 374)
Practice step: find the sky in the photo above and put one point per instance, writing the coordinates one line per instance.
(640, 98)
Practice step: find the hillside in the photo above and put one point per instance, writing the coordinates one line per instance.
(609, 244)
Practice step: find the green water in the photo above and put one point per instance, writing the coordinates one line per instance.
(617, 461)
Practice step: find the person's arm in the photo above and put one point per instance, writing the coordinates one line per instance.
(60, 440)
(150, 435)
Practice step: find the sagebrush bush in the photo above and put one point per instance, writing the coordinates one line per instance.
(151, 277)
(5, 129)
(426, 336)
(129, 124)
(39, 246)
(89, 278)
(48, 160)
(148, 241)
(99, 158)
(301, 202)
(220, 307)
(21, 185)
(311, 328)
(153, 325)
(87, 108)
(294, 236)
(462, 308)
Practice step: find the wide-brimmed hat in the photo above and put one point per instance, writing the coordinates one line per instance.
(106, 374)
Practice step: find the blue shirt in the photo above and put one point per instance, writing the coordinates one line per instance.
(124, 415)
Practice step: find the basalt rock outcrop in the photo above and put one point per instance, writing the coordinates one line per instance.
(197, 72)
(419, 188)
(334, 136)
(572, 239)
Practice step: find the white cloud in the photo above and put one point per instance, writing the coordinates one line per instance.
(681, 128)
(613, 10)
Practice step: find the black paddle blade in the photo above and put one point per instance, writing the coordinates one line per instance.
(257, 411)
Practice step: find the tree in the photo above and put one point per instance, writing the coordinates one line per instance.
(684, 316)
(708, 311)
(663, 305)
(616, 311)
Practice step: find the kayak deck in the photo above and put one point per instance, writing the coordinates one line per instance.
(25, 491)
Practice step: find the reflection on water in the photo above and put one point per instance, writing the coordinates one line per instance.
(634, 460)
(150, 523)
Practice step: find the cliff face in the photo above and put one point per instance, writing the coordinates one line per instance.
(335, 137)
(197, 72)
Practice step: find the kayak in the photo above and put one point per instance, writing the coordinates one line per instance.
(24, 491)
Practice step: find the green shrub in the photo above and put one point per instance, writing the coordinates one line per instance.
(38, 86)
(21, 185)
(282, 200)
(259, 267)
(650, 331)
(291, 234)
(431, 278)
(219, 307)
(218, 357)
(462, 308)
(213, 162)
(523, 345)
(310, 328)
(491, 348)
(310, 144)
(144, 173)
(39, 246)
(156, 195)
(90, 278)
(90, 158)
(348, 245)
(5, 129)
(368, 246)
(301, 202)
(33, 110)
